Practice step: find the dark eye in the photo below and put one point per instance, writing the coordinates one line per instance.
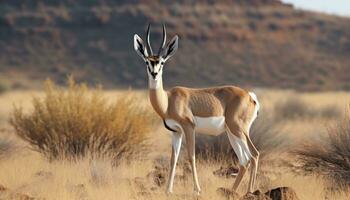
(146, 62)
(162, 63)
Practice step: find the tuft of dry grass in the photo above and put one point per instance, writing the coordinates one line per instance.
(268, 134)
(75, 122)
(328, 158)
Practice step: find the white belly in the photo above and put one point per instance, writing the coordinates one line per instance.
(210, 125)
(205, 125)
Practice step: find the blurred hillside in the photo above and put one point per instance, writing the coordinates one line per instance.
(259, 43)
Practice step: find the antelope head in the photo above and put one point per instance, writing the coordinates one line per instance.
(155, 62)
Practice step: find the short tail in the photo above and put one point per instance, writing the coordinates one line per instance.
(257, 107)
(255, 99)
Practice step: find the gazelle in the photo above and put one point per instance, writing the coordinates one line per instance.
(210, 110)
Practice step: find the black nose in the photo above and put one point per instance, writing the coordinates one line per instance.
(154, 74)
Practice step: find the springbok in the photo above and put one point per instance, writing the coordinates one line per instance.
(209, 110)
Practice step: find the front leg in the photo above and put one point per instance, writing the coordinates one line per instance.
(190, 141)
(175, 151)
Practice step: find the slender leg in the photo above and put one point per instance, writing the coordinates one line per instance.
(241, 172)
(255, 164)
(176, 146)
(190, 141)
(241, 149)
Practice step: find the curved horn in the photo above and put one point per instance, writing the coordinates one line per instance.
(148, 39)
(163, 41)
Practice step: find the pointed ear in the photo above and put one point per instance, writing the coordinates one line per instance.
(140, 47)
(171, 48)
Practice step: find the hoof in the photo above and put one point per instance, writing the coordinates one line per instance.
(197, 192)
(169, 192)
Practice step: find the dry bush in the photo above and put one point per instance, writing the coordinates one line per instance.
(268, 135)
(75, 122)
(328, 158)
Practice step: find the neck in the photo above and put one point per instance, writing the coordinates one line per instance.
(158, 97)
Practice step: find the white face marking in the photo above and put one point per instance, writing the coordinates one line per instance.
(155, 68)
(155, 71)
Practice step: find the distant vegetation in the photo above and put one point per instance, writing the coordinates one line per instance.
(77, 122)
(297, 109)
(260, 43)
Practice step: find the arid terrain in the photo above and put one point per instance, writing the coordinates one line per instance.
(278, 132)
(71, 140)
(258, 43)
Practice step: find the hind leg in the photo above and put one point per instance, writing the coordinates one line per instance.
(254, 162)
(240, 147)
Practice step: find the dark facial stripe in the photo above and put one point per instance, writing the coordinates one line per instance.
(153, 63)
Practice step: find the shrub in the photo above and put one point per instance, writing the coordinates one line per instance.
(330, 157)
(75, 122)
(268, 134)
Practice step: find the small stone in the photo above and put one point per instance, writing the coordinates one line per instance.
(257, 195)
(282, 193)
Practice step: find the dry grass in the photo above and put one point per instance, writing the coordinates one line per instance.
(75, 122)
(96, 178)
(297, 108)
(329, 157)
(7, 147)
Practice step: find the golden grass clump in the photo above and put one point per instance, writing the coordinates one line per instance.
(75, 122)
(329, 158)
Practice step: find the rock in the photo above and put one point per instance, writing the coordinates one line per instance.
(2, 188)
(282, 193)
(44, 174)
(257, 195)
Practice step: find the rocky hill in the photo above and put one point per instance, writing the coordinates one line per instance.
(252, 43)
